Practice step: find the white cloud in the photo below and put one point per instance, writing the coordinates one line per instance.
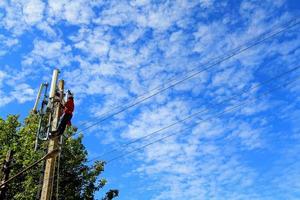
(74, 12)
(94, 45)
(48, 49)
(249, 136)
(140, 2)
(206, 178)
(47, 29)
(23, 93)
(7, 43)
(55, 54)
(206, 3)
(151, 120)
(14, 89)
(208, 129)
(112, 51)
(21, 15)
(33, 11)
(11, 42)
(78, 12)
(2, 78)
(4, 100)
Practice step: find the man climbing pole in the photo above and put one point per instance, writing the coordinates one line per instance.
(66, 117)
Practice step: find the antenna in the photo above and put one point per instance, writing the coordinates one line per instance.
(34, 110)
(40, 134)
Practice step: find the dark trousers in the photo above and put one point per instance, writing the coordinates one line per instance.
(63, 123)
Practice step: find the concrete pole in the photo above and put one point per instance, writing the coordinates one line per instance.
(47, 188)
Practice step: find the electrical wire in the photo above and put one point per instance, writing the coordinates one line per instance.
(213, 116)
(237, 52)
(174, 77)
(29, 167)
(225, 58)
(144, 146)
(123, 146)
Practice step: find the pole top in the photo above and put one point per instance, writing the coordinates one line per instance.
(56, 69)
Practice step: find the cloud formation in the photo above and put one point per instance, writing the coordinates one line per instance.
(112, 52)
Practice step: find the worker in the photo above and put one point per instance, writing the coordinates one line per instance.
(66, 117)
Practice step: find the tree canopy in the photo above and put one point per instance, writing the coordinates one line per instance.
(78, 180)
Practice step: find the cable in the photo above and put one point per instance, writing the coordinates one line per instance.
(239, 51)
(173, 77)
(144, 146)
(50, 154)
(284, 28)
(197, 113)
(213, 116)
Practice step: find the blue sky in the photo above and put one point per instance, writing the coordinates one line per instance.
(111, 52)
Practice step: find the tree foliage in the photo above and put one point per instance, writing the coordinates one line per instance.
(77, 179)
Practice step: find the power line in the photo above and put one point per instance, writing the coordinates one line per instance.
(123, 146)
(239, 51)
(174, 77)
(48, 155)
(227, 57)
(213, 116)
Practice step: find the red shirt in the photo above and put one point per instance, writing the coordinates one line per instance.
(69, 106)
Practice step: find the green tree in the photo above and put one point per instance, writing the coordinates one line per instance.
(78, 180)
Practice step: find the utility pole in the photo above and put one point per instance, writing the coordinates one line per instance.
(49, 172)
(5, 170)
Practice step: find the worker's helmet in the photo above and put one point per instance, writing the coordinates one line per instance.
(70, 94)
